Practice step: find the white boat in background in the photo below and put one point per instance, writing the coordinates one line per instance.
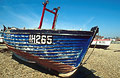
(1, 37)
(101, 43)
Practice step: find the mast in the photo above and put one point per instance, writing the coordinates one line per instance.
(54, 11)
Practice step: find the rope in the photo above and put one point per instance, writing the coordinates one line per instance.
(90, 53)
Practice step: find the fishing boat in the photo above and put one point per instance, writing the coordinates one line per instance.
(101, 43)
(58, 50)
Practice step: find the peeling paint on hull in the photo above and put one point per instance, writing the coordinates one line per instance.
(63, 55)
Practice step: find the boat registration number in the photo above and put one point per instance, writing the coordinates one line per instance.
(41, 39)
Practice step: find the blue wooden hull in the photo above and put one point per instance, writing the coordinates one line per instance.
(68, 48)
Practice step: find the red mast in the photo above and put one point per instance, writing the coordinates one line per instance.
(51, 11)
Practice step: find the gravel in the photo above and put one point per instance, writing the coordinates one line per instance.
(103, 63)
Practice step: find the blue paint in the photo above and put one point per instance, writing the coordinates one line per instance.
(71, 50)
